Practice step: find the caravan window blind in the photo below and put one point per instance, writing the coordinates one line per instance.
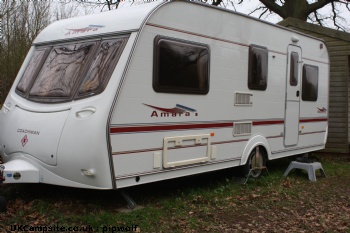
(257, 68)
(72, 70)
(310, 83)
(293, 76)
(180, 66)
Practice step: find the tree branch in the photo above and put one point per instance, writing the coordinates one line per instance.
(216, 2)
(263, 13)
(273, 6)
(335, 17)
(318, 19)
(319, 4)
(257, 9)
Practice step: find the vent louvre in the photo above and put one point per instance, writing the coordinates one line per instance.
(242, 128)
(243, 99)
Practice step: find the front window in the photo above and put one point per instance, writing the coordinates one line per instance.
(61, 70)
(55, 73)
(105, 59)
(29, 73)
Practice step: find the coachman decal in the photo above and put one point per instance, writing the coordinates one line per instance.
(178, 111)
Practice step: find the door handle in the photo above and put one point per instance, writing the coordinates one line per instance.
(298, 93)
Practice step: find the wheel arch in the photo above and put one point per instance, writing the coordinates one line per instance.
(256, 140)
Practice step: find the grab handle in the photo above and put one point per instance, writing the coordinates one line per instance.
(85, 112)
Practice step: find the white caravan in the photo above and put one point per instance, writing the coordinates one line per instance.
(158, 91)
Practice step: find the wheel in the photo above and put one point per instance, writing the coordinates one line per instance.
(2, 204)
(255, 163)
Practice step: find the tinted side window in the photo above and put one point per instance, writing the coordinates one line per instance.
(257, 73)
(180, 66)
(293, 77)
(310, 83)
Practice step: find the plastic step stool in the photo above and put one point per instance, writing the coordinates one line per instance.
(309, 167)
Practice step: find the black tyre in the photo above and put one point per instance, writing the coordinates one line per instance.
(255, 164)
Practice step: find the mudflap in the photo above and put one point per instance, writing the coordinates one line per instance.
(18, 171)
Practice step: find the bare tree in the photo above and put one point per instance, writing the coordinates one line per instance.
(102, 4)
(306, 10)
(21, 21)
(67, 9)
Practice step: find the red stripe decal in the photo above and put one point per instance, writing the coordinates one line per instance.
(274, 122)
(168, 127)
(313, 120)
(150, 128)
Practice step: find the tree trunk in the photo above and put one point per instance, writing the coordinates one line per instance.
(298, 9)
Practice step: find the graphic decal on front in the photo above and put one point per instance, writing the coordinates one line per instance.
(178, 111)
(83, 30)
(24, 140)
(322, 110)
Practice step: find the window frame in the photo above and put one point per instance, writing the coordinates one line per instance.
(74, 94)
(81, 74)
(157, 87)
(109, 71)
(36, 71)
(251, 79)
(304, 89)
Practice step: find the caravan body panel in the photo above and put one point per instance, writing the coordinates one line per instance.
(143, 118)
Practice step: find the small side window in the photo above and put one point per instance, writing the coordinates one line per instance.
(180, 66)
(257, 73)
(310, 83)
(293, 76)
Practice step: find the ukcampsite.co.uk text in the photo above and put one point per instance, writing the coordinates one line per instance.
(88, 228)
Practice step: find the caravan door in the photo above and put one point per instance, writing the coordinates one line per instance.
(291, 121)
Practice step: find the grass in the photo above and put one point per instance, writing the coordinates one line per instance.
(203, 203)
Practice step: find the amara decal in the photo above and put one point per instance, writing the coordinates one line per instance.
(178, 111)
(83, 30)
(321, 110)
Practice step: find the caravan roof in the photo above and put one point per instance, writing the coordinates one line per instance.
(103, 23)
